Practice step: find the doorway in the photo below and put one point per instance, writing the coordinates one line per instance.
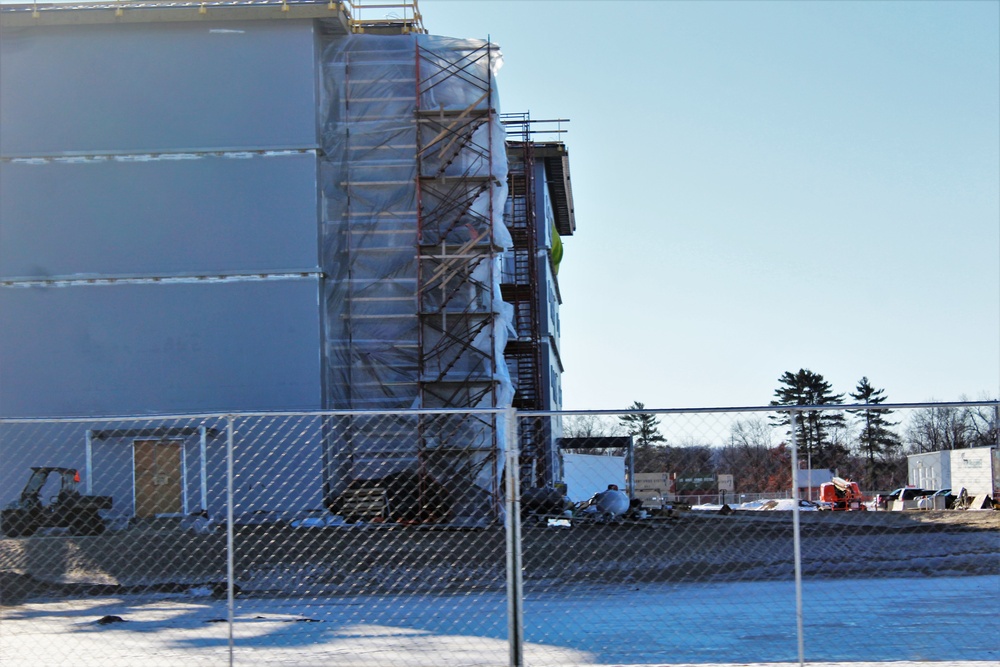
(159, 470)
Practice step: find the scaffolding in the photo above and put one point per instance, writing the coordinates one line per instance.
(368, 16)
(414, 313)
(458, 193)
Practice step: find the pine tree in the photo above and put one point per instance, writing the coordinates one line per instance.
(877, 442)
(812, 435)
(642, 426)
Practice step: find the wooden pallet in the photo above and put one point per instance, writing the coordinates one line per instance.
(368, 504)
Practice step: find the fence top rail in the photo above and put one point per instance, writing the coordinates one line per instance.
(995, 404)
(410, 412)
(765, 408)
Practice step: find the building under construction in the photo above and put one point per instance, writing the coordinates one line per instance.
(539, 213)
(275, 206)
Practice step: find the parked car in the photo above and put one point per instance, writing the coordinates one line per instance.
(929, 501)
(903, 493)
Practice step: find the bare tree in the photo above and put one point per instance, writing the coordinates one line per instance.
(953, 427)
(591, 426)
(750, 456)
(690, 458)
(982, 423)
(938, 428)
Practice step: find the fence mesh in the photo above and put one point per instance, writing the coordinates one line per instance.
(390, 539)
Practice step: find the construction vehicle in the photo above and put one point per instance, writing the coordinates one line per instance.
(67, 509)
(842, 494)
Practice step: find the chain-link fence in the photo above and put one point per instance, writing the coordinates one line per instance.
(367, 538)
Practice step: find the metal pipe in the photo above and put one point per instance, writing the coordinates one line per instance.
(512, 525)
(203, 454)
(522, 413)
(90, 462)
(797, 541)
(532, 120)
(761, 408)
(631, 468)
(229, 533)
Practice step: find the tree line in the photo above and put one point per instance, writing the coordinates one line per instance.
(867, 443)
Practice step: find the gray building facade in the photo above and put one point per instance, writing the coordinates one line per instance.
(218, 212)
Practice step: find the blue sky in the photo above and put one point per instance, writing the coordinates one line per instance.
(766, 186)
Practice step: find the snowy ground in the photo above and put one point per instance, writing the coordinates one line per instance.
(952, 620)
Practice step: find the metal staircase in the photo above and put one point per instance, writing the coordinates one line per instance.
(520, 289)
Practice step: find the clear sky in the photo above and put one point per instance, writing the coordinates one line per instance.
(766, 186)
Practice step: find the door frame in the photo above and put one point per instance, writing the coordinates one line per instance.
(183, 434)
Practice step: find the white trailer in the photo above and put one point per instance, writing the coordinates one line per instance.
(930, 470)
(977, 470)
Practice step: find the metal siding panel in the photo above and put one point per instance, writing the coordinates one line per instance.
(159, 348)
(157, 87)
(113, 473)
(199, 216)
(282, 459)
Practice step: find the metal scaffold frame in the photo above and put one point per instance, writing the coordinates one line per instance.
(373, 16)
(456, 264)
(371, 372)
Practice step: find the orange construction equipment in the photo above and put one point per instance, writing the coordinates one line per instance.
(842, 494)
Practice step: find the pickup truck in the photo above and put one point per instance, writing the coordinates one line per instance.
(883, 500)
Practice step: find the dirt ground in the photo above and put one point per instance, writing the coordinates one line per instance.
(978, 519)
(692, 546)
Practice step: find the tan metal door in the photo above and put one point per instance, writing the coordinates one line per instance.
(157, 478)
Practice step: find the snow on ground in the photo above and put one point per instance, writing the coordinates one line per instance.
(846, 621)
(778, 504)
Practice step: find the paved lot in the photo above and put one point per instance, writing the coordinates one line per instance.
(750, 623)
(704, 589)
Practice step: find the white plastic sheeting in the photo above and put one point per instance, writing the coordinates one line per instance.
(408, 325)
(588, 474)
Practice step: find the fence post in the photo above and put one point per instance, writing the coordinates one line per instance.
(89, 464)
(230, 419)
(631, 467)
(512, 525)
(797, 536)
(203, 467)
